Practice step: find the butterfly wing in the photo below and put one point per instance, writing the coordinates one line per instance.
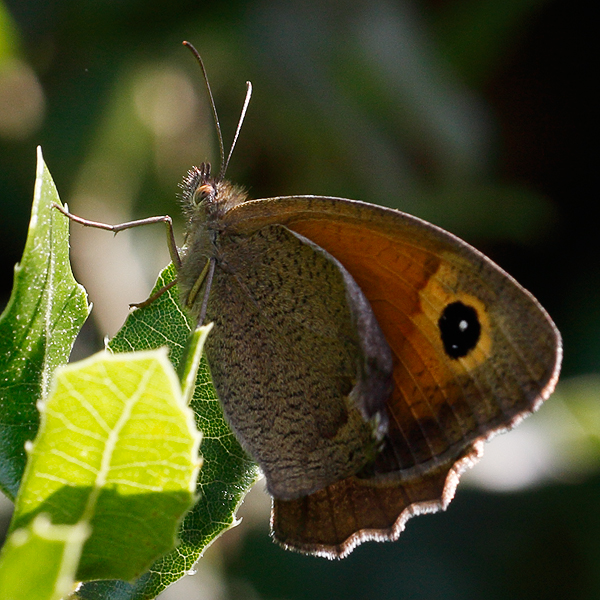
(473, 353)
(300, 365)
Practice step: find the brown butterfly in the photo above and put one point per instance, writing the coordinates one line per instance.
(362, 356)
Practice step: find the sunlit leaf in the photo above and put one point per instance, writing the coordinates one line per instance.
(44, 315)
(117, 449)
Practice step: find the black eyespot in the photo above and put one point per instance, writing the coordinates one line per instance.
(459, 329)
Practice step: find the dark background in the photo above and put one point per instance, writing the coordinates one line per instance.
(473, 114)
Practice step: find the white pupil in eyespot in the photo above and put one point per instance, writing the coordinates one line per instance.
(463, 325)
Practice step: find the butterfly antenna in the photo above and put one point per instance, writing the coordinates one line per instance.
(224, 163)
(237, 131)
(212, 104)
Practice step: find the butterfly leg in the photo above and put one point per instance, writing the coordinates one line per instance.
(154, 296)
(207, 274)
(166, 219)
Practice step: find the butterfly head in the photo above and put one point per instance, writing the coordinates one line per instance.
(207, 198)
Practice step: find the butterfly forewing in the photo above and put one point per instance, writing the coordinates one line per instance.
(473, 353)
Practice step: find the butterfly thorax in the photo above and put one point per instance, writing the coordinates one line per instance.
(206, 200)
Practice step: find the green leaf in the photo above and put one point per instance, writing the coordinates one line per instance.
(38, 327)
(39, 562)
(117, 449)
(227, 473)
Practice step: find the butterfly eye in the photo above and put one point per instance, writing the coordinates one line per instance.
(203, 193)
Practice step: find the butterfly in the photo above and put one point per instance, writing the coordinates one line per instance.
(362, 356)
